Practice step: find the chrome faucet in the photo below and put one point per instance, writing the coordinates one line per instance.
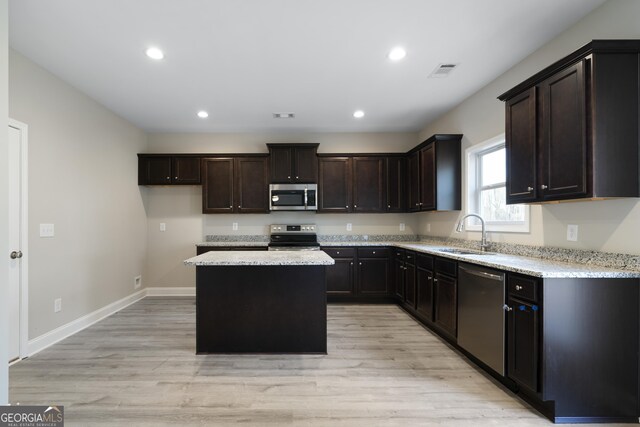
(460, 227)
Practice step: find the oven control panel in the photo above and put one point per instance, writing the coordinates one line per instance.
(285, 228)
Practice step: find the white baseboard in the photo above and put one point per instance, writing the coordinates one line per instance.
(43, 341)
(187, 291)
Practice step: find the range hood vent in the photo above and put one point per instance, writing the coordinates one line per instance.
(442, 70)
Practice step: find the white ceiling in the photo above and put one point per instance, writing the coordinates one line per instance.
(242, 60)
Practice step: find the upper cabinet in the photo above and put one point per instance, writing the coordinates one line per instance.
(235, 184)
(369, 184)
(334, 185)
(293, 163)
(435, 174)
(167, 169)
(572, 129)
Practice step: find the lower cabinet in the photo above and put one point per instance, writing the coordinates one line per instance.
(424, 285)
(398, 273)
(410, 280)
(359, 273)
(445, 294)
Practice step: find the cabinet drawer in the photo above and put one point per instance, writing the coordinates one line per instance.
(425, 262)
(410, 257)
(446, 266)
(523, 287)
(340, 252)
(373, 252)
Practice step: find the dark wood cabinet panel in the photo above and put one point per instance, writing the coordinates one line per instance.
(154, 170)
(410, 285)
(424, 284)
(398, 278)
(185, 170)
(523, 325)
(369, 185)
(521, 147)
(396, 184)
(251, 186)
(564, 134)
(217, 185)
(334, 186)
(428, 181)
(293, 163)
(446, 303)
(166, 169)
(414, 181)
(340, 277)
(373, 276)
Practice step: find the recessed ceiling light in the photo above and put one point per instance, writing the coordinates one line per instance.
(397, 53)
(203, 114)
(358, 114)
(154, 53)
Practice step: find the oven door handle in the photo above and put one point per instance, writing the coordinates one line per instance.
(305, 198)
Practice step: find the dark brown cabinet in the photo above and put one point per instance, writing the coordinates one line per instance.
(373, 271)
(369, 184)
(398, 273)
(341, 276)
(396, 174)
(158, 169)
(334, 185)
(445, 294)
(410, 280)
(424, 285)
(435, 174)
(235, 185)
(572, 129)
(293, 163)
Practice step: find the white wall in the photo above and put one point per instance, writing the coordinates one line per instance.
(610, 226)
(82, 174)
(181, 207)
(4, 196)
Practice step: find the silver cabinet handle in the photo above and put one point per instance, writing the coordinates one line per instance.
(429, 277)
(230, 207)
(338, 252)
(16, 254)
(239, 206)
(389, 206)
(435, 280)
(518, 288)
(360, 263)
(544, 187)
(168, 177)
(296, 177)
(507, 308)
(288, 177)
(347, 206)
(374, 252)
(355, 206)
(175, 177)
(529, 189)
(351, 263)
(420, 203)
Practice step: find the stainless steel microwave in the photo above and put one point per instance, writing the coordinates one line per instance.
(293, 197)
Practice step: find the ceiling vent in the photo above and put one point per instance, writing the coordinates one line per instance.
(442, 70)
(284, 115)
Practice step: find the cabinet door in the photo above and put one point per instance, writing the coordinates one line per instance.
(335, 184)
(154, 170)
(340, 280)
(396, 184)
(251, 187)
(414, 182)
(428, 178)
(521, 152)
(217, 185)
(305, 165)
(425, 293)
(186, 170)
(410, 285)
(369, 187)
(446, 303)
(398, 270)
(373, 276)
(564, 135)
(280, 165)
(522, 346)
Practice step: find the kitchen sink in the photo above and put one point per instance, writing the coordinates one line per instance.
(457, 251)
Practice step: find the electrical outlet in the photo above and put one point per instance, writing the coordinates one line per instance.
(428, 228)
(163, 226)
(137, 282)
(57, 305)
(47, 230)
(234, 226)
(572, 233)
(402, 226)
(349, 227)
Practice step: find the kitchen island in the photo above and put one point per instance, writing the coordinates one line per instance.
(261, 301)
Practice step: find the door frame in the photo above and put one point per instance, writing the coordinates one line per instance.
(24, 236)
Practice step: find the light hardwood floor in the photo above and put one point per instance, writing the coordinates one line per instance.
(139, 367)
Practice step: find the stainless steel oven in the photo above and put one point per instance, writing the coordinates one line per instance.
(293, 197)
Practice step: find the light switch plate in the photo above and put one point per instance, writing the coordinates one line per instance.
(349, 227)
(57, 305)
(163, 226)
(234, 226)
(47, 230)
(572, 233)
(402, 226)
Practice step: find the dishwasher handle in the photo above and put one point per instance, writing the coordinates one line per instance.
(479, 273)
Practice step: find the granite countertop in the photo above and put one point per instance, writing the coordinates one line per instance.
(538, 267)
(259, 258)
(235, 244)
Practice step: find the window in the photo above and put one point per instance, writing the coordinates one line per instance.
(486, 184)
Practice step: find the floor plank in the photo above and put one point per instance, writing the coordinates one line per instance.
(138, 367)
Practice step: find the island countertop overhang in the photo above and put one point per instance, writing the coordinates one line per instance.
(260, 258)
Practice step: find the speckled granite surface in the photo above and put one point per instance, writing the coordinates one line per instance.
(258, 258)
(236, 238)
(546, 262)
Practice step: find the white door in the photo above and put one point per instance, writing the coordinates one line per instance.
(15, 258)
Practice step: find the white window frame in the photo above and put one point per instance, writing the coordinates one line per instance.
(472, 180)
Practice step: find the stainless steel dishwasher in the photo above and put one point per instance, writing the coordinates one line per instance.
(481, 317)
